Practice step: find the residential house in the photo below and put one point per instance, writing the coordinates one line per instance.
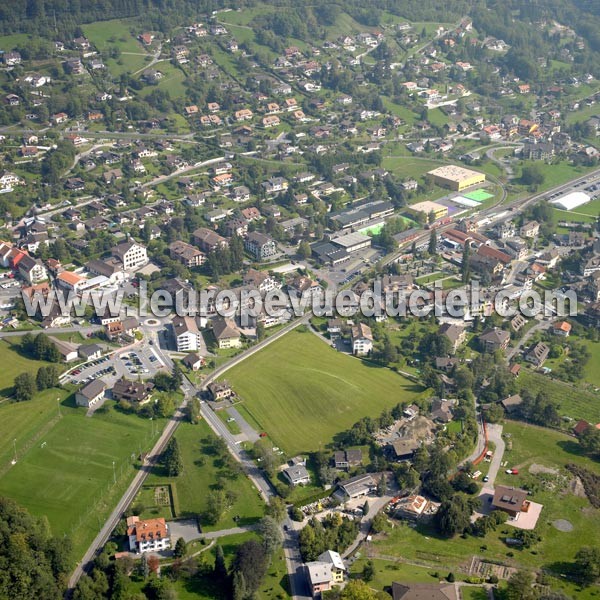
(187, 334)
(362, 339)
(149, 535)
(319, 577)
(338, 568)
(186, 254)
(89, 351)
(220, 390)
(425, 591)
(510, 500)
(561, 328)
(530, 229)
(138, 392)
(511, 403)
(494, 339)
(260, 280)
(32, 270)
(193, 361)
(297, 475)
(344, 459)
(208, 240)
(538, 354)
(260, 246)
(226, 333)
(131, 254)
(455, 334)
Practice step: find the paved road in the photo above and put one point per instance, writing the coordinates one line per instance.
(262, 484)
(52, 330)
(540, 325)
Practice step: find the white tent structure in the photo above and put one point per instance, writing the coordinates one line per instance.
(571, 201)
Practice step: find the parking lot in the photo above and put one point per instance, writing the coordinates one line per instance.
(141, 362)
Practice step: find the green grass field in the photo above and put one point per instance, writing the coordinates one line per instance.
(574, 403)
(65, 464)
(14, 364)
(115, 33)
(303, 392)
(478, 195)
(201, 473)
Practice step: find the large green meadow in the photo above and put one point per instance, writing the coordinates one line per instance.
(302, 392)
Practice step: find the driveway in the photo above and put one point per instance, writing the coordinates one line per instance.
(185, 528)
(495, 435)
(249, 433)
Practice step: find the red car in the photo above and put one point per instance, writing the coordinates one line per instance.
(263, 435)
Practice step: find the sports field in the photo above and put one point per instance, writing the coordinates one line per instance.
(478, 195)
(302, 392)
(64, 466)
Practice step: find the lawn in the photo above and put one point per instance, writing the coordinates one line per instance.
(409, 167)
(592, 369)
(302, 392)
(116, 33)
(201, 472)
(14, 364)
(65, 463)
(573, 402)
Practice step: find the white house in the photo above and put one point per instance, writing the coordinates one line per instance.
(151, 535)
(362, 339)
(131, 254)
(187, 334)
(91, 394)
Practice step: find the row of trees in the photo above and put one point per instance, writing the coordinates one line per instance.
(26, 385)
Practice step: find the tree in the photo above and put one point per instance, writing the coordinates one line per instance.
(24, 387)
(368, 571)
(520, 587)
(432, 249)
(587, 564)
(465, 267)
(250, 563)
(180, 548)
(277, 509)
(171, 458)
(34, 564)
(220, 569)
(453, 515)
(358, 590)
(270, 532)
(216, 505)
(532, 175)
(304, 251)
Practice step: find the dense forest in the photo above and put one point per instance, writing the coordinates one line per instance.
(33, 564)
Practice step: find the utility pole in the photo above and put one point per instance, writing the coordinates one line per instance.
(114, 473)
(58, 406)
(15, 447)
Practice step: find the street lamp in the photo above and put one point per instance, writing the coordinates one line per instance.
(58, 406)
(114, 473)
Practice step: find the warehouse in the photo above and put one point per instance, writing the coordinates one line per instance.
(571, 201)
(456, 178)
(352, 242)
(439, 210)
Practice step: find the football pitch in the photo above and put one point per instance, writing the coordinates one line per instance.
(302, 392)
(64, 461)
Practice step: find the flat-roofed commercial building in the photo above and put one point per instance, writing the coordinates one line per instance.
(439, 210)
(456, 178)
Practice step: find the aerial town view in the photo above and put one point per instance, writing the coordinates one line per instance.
(300, 300)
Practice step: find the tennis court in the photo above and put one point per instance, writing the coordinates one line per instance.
(478, 195)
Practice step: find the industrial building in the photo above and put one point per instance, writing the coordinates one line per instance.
(352, 242)
(439, 210)
(456, 178)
